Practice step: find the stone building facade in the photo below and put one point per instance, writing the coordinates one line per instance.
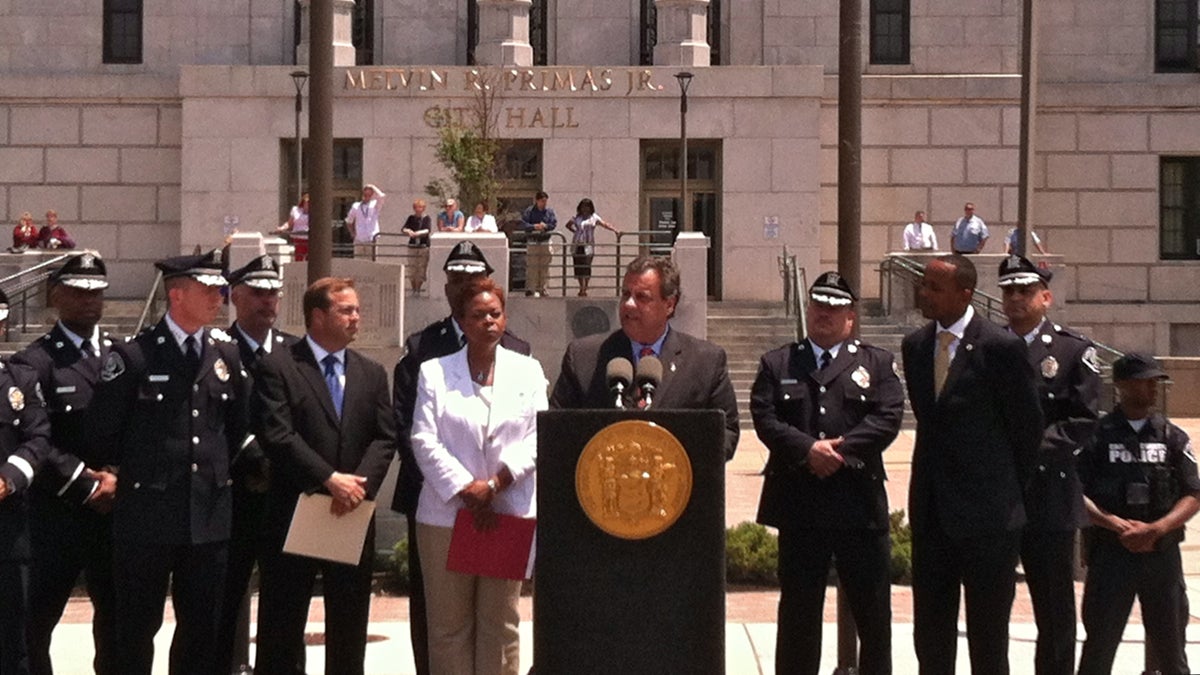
(148, 126)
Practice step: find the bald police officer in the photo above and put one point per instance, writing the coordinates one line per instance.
(826, 408)
(171, 410)
(1068, 382)
(71, 498)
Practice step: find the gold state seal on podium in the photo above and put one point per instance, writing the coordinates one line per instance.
(633, 479)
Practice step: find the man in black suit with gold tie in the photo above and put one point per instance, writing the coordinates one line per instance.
(326, 424)
(827, 407)
(979, 425)
(441, 338)
(254, 294)
(695, 375)
(170, 409)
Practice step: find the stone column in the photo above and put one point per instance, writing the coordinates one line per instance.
(504, 33)
(682, 33)
(343, 33)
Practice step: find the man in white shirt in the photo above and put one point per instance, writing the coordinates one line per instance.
(919, 235)
(363, 219)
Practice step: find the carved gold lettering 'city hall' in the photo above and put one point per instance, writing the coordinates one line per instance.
(633, 479)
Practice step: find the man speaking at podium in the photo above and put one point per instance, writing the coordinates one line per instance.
(693, 373)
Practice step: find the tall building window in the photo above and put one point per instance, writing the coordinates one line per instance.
(362, 31)
(889, 31)
(649, 33)
(1179, 208)
(122, 31)
(1175, 36)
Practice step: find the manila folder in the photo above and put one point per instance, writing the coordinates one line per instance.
(317, 533)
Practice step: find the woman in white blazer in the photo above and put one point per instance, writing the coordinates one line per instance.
(475, 439)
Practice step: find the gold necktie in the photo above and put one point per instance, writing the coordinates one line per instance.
(941, 361)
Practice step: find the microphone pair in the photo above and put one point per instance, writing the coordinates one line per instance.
(619, 375)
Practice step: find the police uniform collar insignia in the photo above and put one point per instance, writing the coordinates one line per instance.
(1047, 339)
(160, 340)
(853, 349)
(221, 370)
(220, 335)
(16, 399)
(861, 377)
(58, 345)
(1049, 367)
(113, 367)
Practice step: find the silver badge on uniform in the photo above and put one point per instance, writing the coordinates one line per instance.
(113, 367)
(1049, 367)
(861, 377)
(221, 370)
(16, 398)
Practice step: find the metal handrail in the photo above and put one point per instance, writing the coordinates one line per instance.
(795, 298)
(911, 270)
(150, 302)
(18, 285)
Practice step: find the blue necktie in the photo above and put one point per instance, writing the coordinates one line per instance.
(826, 359)
(333, 382)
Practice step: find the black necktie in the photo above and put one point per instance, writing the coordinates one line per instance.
(192, 353)
(826, 358)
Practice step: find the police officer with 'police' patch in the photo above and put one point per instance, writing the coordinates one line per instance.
(1141, 487)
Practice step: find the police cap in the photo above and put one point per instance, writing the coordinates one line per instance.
(467, 259)
(261, 273)
(832, 289)
(204, 267)
(1135, 366)
(86, 271)
(1016, 270)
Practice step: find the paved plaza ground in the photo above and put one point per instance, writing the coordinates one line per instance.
(750, 613)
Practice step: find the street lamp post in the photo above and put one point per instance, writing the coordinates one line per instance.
(685, 80)
(299, 77)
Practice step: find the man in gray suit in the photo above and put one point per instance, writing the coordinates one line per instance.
(695, 375)
(979, 425)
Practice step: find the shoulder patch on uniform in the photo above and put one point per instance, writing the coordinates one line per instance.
(219, 334)
(114, 365)
(1089, 359)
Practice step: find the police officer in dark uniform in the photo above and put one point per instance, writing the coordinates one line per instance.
(1141, 487)
(24, 446)
(826, 408)
(254, 295)
(171, 409)
(465, 263)
(70, 527)
(1068, 381)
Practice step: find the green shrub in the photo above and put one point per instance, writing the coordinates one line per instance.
(751, 555)
(399, 580)
(901, 533)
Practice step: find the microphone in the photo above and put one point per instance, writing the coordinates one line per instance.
(649, 375)
(618, 375)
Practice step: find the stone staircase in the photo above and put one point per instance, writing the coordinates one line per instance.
(120, 320)
(747, 330)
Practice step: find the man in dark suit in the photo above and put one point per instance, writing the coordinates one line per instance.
(1068, 382)
(326, 425)
(826, 408)
(441, 338)
(978, 429)
(171, 410)
(72, 497)
(695, 375)
(24, 446)
(254, 294)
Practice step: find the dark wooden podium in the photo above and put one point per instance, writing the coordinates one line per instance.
(603, 604)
